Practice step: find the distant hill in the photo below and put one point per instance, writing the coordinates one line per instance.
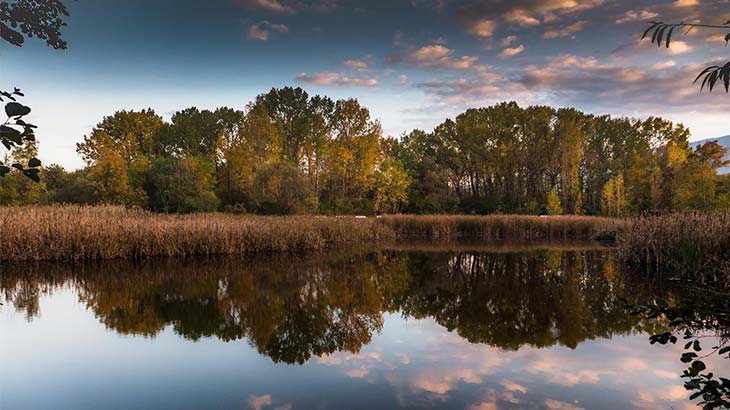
(724, 141)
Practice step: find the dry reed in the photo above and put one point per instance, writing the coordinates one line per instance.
(501, 227)
(690, 245)
(109, 232)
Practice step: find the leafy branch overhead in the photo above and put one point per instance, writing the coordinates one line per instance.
(33, 18)
(15, 132)
(661, 35)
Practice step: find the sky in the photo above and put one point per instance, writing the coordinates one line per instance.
(413, 63)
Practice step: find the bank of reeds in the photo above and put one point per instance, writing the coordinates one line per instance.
(500, 227)
(109, 232)
(690, 245)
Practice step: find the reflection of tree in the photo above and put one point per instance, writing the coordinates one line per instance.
(508, 300)
(292, 309)
(289, 310)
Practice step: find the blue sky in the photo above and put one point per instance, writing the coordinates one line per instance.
(413, 63)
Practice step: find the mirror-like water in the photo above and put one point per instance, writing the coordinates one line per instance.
(451, 330)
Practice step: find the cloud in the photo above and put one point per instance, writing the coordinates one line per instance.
(636, 15)
(507, 41)
(664, 65)
(511, 52)
(337, 79)
(355, 64)
(679, 47)
(566, 30)
(271, 6)
(483, 28)
(521, 17)
(439, 56)
(289, 6)
(686, 3)
(262, 31)
(523, 13)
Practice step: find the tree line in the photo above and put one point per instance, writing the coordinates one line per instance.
(288, 152)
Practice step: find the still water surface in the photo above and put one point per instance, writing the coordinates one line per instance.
(437, 330)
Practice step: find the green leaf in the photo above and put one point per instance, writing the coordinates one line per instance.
(696, 346)
(4, 170)
(14, 109)
(699, 365)
(34, 163)
(32, 174)
(724, 350)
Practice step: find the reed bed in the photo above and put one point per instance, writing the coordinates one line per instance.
(69, 232)
(500, 227)
(108, 232)
(692, 245)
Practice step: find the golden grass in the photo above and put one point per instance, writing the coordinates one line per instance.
(508, 227)
(690, 245)
(107, 232)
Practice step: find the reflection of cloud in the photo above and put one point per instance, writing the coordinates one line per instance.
(561, 405)
(483, 406)
(265, 401)
(442, 381)
(554, 370)
(259, 402)
(512, 386)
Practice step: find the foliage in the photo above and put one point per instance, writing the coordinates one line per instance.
(661, 35)
(695, 318)
(33, 18)
(281, 189)
(182, 185)
(15, 133)
(553, 203)
(391, 187)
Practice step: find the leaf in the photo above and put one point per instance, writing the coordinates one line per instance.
(34, 162)
(4, 170)
(699, 365)
(724, 350)
(9, 133)
(687, 357)
(33, 174)
(696, 346)
(669, 36)
(14, 109)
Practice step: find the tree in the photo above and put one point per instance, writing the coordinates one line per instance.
(391, 187)
(282, 189)
(614, 199)
(352, 158)
(661, 34)
(553, 206)
(118, 152)
(183, 185)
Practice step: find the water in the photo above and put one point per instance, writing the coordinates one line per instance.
(437, 330)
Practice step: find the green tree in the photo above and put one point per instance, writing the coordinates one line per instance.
(118, 153)
(183, 185)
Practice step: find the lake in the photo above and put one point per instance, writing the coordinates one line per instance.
(433, 328)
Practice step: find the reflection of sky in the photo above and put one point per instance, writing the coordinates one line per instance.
(65, 359)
